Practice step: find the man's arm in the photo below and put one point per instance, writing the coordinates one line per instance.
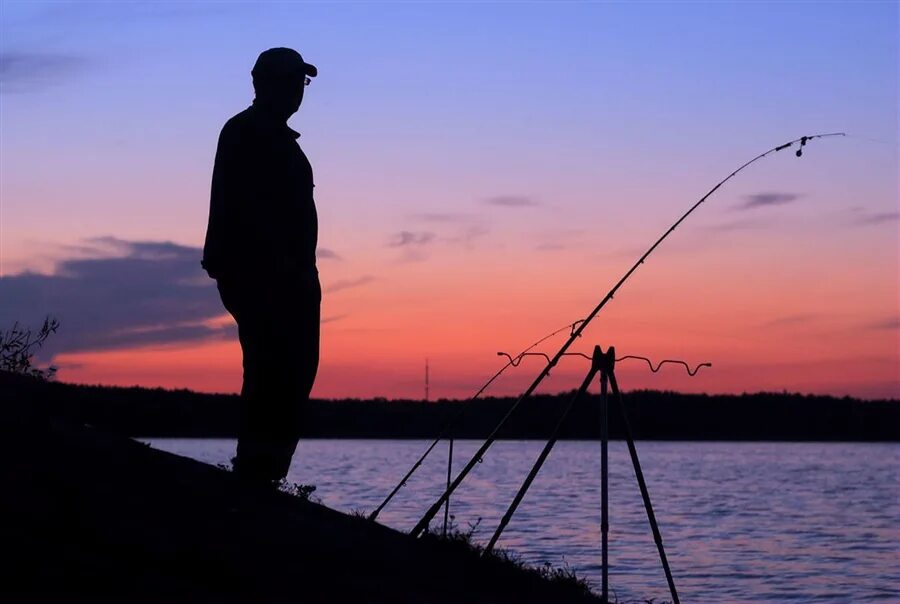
(219, 250)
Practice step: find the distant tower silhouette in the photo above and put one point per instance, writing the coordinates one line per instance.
(426, 380)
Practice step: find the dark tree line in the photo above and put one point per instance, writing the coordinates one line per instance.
(653, 414)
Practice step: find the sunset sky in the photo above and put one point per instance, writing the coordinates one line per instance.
(484, 172)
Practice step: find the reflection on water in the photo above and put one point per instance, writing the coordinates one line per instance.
(741, 522)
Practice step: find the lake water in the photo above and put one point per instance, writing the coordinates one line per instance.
(741, 522)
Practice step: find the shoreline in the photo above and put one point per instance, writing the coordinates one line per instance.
(90, 515)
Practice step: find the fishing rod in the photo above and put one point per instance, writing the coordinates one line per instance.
(423, 523)
(449, 423)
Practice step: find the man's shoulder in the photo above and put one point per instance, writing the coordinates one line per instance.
(237, 124)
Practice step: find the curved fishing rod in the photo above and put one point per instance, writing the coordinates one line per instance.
(443, 431)
(691, 372)
(576, 333)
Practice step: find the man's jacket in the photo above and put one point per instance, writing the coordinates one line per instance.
(262, 217)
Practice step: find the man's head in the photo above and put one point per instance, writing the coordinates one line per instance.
(279, 78)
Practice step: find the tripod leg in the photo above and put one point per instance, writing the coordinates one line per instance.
(540, 460)
(449, 470)
(604, 486)
(643, 486)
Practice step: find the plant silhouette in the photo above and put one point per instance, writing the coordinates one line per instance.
(18, 346)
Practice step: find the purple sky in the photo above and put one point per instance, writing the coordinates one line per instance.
(473, 162)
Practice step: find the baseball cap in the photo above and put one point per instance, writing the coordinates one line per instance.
(280, 62)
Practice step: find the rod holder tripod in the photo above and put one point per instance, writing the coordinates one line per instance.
(639, 474)
(603, 363)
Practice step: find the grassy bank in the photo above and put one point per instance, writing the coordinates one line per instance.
(89, 515)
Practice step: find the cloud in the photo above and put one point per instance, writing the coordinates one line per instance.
(511, 201)
(738, 225)
(789, 320)
(761, 200)
(625, 252)
(412, 255)
(323, 253)
(877, 218)
(889, 323)
(33, 72)
(444, 217)
(348, 283)
(334, 318)
(465, 228)
(407, 238)
(468, 235)
(163, 335)
(118, 294)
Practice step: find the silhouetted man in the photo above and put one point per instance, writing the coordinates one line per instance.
(261, 250)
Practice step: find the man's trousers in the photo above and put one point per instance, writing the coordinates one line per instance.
(278, 327)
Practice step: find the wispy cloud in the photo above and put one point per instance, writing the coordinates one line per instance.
(512, 201)
(32, 72)
(877, 218)
(463, 229)
(621, 253)
(444, 217)
(738, 225)
(789, 320)
(411, 238)
(323, 253)
(349, 283)
(468, 235)
(889, 323)
(334, 318)
(762, 200)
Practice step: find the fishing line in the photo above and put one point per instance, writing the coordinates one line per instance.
(442, 433)
(423, 523)
(873, 140)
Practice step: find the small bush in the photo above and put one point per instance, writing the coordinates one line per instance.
(300, 491)
(17, 348)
